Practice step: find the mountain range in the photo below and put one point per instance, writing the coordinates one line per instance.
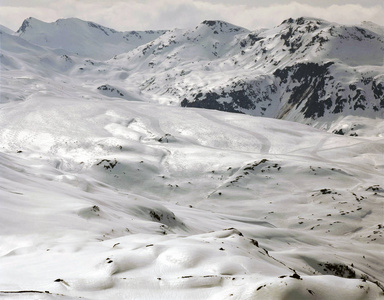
(306, 70)
(213, 162)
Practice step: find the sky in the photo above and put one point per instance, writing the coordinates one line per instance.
(126, 15)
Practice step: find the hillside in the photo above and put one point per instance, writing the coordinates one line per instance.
(303, 70)
(173, 170)
(86, 39)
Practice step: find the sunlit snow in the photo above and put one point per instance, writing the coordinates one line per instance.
(109, 194)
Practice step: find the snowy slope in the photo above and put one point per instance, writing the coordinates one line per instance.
(83, 38)
(302, 70)
(106, 198)
(305, 70)
(18, 54)
(142, 196)
(5, 29)
(106, 193)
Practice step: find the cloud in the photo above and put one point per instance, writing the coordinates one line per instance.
(344, 14)
(168, 14)
(252, 17)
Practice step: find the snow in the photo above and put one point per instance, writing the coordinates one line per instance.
(109, 196)
(5, 29)
(86, 39)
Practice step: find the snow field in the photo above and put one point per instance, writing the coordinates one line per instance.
(105, 193)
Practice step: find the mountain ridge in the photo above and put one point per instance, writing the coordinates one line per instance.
(269, 65)
(306, 70)
(79, 37)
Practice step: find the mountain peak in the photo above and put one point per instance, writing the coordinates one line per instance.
(212, 22)
(304, 20)
(42, 26)
(25, 25)
(218, 26)
(83, 38)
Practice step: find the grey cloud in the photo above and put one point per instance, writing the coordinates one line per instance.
(168, 14)
(318, 3)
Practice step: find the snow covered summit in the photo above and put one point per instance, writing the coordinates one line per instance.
(306, 70)
(83, 38)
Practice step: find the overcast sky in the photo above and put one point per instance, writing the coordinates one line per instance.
(167, 14)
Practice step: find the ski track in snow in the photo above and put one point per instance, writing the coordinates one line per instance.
(265, 144)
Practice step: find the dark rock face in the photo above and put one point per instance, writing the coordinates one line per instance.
(302, 71)
(110, 89)
(220, 26)
(339, 132)
(250, 40)
(209, 101)
(311, 78)
(290, 41)
(308, 89)
(378, 92)
(339, 270)
(24, 26)
(294, 32)
(103, 29)
(242, 95)
(209, 23)
(303, 84)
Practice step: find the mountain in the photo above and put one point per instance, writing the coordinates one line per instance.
(82, 38)
(306, 70)
(112, 187)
